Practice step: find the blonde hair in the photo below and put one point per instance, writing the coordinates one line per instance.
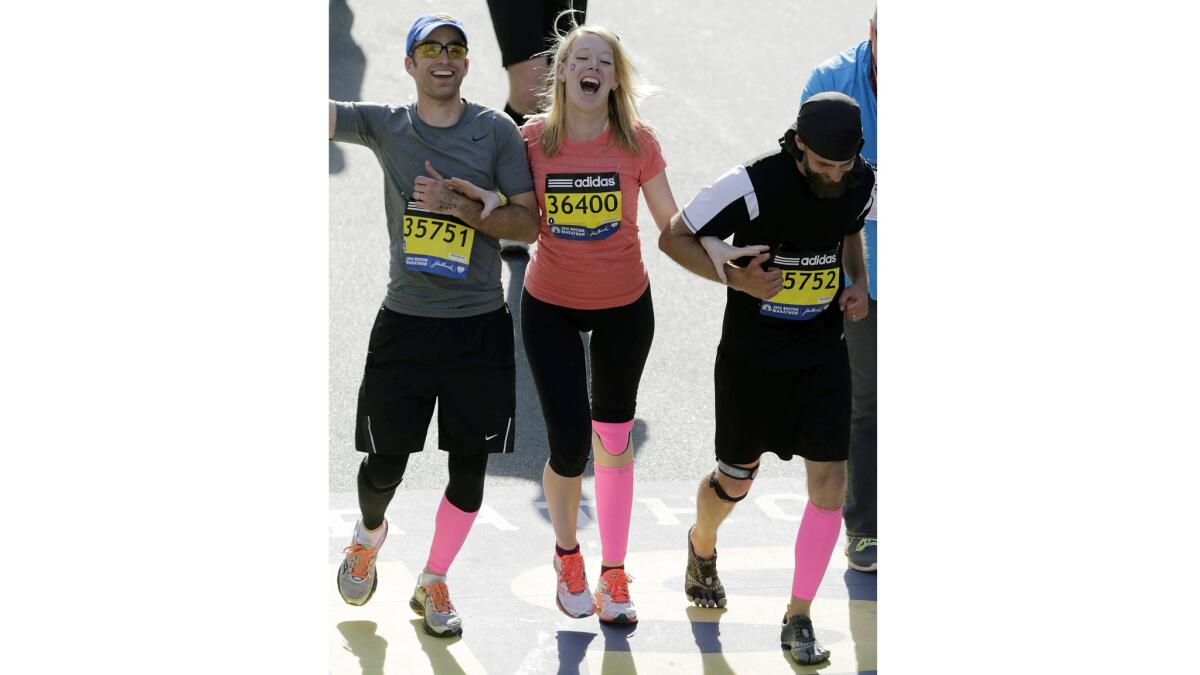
(624, 122)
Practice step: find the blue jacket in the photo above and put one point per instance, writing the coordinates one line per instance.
(850, 73)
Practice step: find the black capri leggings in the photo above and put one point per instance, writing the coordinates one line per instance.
(380, 475)
(620, 343)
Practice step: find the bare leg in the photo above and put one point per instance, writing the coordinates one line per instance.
(562, 500)
(711, 510)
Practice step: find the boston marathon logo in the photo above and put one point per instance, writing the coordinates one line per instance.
(810, 282)
(583, 206)
(436, 243)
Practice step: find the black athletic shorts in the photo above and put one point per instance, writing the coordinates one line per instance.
(526, 27)
(787, 411)
(465, 365)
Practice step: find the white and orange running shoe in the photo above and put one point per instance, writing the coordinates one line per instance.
(432, 601)
(356, 577)
(572, 595)
(612, 597)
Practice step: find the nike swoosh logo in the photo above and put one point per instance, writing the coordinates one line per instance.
(488, 438)
(480, 138)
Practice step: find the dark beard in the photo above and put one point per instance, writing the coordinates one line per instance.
(825, 189)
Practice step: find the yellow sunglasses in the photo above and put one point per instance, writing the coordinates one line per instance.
(432, 50)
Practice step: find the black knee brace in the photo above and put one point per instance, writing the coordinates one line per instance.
(735, 472)
(724, 496)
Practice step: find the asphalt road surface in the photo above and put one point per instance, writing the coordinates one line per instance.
(729, 76)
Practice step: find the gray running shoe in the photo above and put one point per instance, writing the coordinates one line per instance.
(432, 601)
(573, 596)
(798, 638)
(612, 597)
(702, 584)
(356, 578)
(861, 552)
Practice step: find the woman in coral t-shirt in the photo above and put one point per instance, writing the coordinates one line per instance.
(590, 154)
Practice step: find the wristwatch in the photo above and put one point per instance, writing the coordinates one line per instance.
(503, 199)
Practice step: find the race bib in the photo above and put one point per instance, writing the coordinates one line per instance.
(436, 244)
(810, 282)
(583, 205)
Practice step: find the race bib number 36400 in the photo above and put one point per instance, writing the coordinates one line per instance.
(810, 282)
(583, 205)
(437, 244)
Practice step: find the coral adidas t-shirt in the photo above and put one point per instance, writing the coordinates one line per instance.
(588, 254)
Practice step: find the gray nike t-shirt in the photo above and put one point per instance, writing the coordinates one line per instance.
(439, 266)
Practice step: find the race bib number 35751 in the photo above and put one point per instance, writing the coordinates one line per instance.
(810, 282)
(583, 205)
(437, 244)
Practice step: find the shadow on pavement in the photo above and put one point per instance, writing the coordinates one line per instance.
(863, 608)
(572, 647)
(860, 585)
(618, 655)
(707, 635)
(363, 642)
(347, 63)
(437, 650)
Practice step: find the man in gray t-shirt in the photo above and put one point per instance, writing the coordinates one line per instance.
(444, 334)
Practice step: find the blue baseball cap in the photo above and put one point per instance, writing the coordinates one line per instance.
(425, 25)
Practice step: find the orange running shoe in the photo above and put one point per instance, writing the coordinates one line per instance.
(573, 596)
(432, 601)
(612, 597)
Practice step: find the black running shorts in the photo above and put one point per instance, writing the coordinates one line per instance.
(465, 365)
(526, 27)
(787, 411)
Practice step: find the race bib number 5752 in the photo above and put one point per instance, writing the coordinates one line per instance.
(810, 282)
(583, 205)
(436, 243)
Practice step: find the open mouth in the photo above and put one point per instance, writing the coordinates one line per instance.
(443, 74)
(589, 85)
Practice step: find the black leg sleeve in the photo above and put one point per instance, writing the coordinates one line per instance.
(467, 473)
(378, 478)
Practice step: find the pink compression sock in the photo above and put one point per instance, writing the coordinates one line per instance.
(818, 535)
(614, 501)
(450, 529)
(614, 436)
(614, 491)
